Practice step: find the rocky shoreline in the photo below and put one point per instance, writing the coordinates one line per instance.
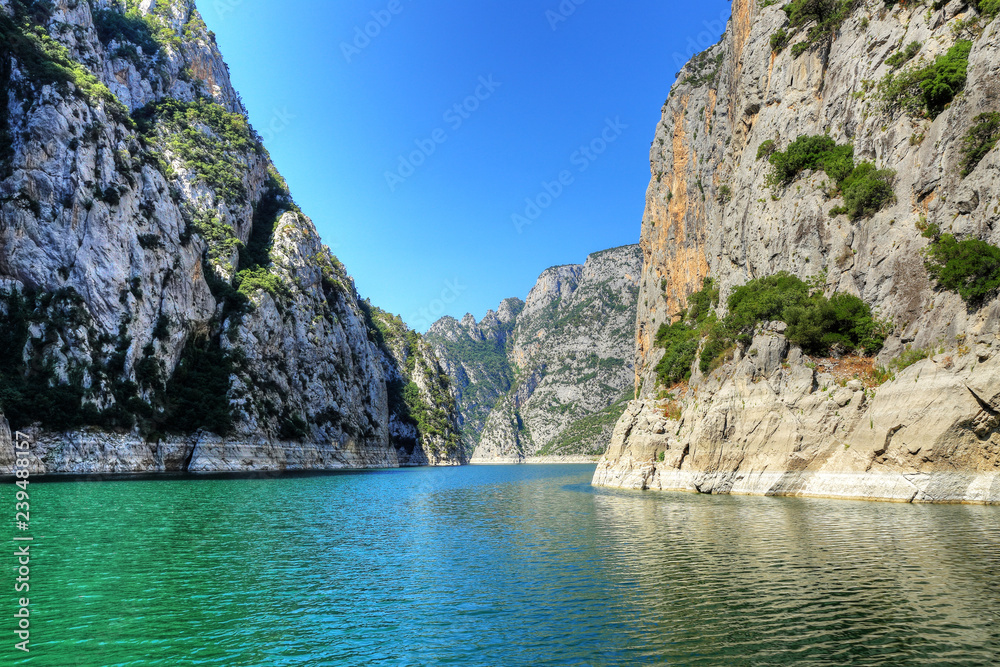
(777, 423)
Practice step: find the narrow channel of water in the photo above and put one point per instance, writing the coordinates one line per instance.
(505, 565)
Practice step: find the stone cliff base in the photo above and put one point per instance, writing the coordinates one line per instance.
(94, 452)
(775, 422)
(891, 487)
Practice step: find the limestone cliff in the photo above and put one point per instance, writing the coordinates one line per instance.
(166, 305)
(556, 369)
(776, 421)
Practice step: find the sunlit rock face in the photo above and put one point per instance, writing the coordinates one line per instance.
(166, 305)
(786, 426)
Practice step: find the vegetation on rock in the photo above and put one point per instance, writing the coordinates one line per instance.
(904, 55)
(929, 89)
(988, 8)
(865, 188)
(131, 27)
(46, 61)
(207, 139)
(980, 140)
(823, 16)
(815, 322)
(970, 267)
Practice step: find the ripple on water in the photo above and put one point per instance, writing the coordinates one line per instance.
(501, 566)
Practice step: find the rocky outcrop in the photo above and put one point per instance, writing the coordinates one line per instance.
(774, 424)
(423, 415)
(166, 305)
(711, 211)
(556, 374)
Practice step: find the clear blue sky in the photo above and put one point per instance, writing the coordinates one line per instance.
(440, 239)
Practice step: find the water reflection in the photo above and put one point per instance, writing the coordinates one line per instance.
(503, 565)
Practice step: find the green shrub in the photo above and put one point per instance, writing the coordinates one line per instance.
(274, 202)
(129, 27)
(801, 12)
(808, 152)
(970, 267)
(30, 389)
(705, 69)
(219, 237)
(909, 357)
(46, 61)
(867, 190)
(197, 394)
(928, 90)
(762, 300)
(724, 195)
(766, 149)
(980, 140)
(826, 17)
(843, 320)
(814, 321)
(293, 427)
(680, 340)
(702, 302)
(988, 8)
(680, 343)
(249, 281)
(210, 141)
(903, 56)
(162, 329)
(779, 40)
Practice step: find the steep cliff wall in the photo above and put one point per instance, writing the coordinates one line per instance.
(565, 370)
(712, 210)
(166, 306)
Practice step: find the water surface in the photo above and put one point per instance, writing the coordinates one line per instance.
(506, 565)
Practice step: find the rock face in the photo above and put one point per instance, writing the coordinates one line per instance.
(774, 423)
(475, 356)
(549, 377)
(166, 306)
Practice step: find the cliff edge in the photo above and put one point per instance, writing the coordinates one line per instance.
(850, 146)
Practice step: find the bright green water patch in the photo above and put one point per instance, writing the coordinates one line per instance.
(490, 565)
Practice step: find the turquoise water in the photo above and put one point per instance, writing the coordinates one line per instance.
(500, 566)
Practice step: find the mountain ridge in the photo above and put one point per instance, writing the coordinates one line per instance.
(557, 363)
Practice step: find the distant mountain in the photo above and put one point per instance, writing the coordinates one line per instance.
(549, 376)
